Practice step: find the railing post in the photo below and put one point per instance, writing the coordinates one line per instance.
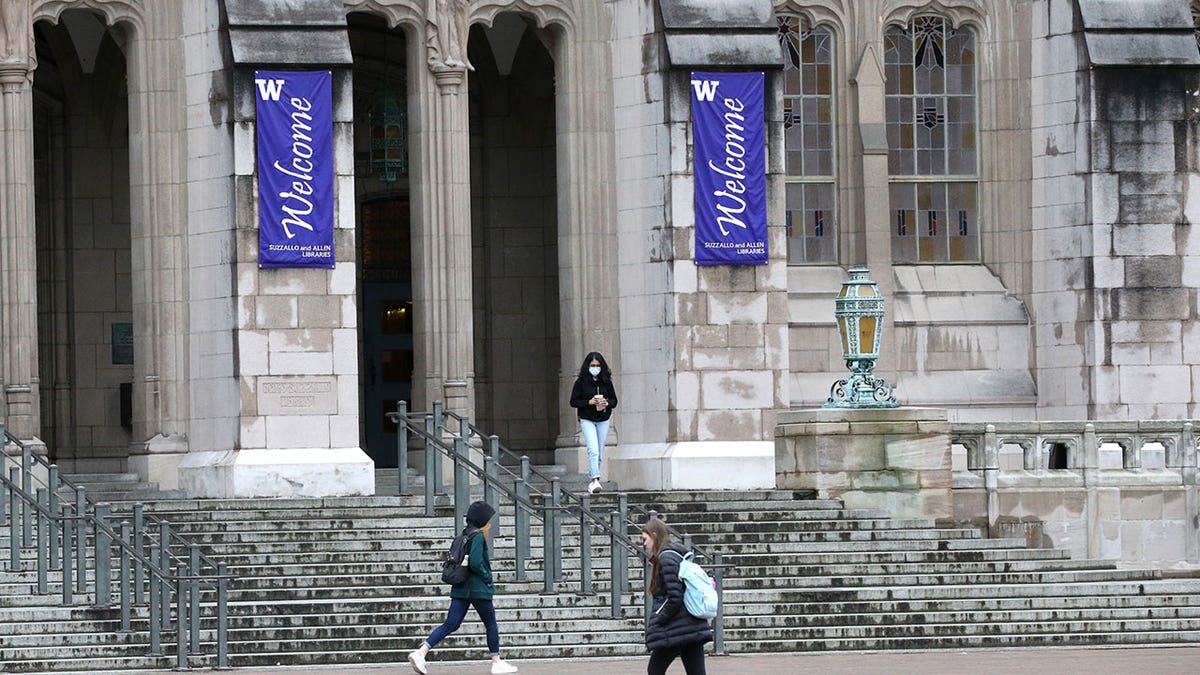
(43, 541)
(614, 567)
(433, 483)
(491, 476)
(181, 613)
(549, 548)
(556, 530)
(4, 491)
(719, 622)
(27, 487)
(462, 482)
(585, 546)
(155, 611)
(647, 599)
(991, 477)
(81, 540)
(437, 435)
(139, 547)
(194, 598)
(402, 445)
(68, 557)
(494, 453)
(53, 485)
(164, 564)
(14, 530)
(123, 578)
(623, 510)
(222, 617)
(521, 518)
(103, 555)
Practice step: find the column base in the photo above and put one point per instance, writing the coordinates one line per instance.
(157, 460)
(695, 465)
(300, 472)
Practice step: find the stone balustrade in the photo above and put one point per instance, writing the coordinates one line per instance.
(1113, 490)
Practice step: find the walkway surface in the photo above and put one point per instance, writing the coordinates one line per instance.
(975, 662)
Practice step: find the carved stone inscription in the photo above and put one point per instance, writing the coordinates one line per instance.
(297, 396)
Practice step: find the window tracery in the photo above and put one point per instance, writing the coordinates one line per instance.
(932, 141)
(808, 120)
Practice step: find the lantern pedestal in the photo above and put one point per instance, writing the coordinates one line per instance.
(896, 459)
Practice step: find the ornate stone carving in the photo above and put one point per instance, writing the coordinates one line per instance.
(447, 28)
(16, 35)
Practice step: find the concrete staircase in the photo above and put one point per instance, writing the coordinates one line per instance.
(354, 580)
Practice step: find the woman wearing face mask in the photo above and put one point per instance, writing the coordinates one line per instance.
(594, 398)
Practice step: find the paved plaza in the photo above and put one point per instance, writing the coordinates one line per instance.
(975, 662)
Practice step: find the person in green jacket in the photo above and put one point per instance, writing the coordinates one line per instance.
(476, 591)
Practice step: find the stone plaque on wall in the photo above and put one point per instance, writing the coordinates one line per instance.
(297, 396)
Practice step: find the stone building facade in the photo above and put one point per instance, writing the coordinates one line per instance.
(1020, 176)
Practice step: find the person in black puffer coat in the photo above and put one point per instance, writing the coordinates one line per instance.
(670, 631)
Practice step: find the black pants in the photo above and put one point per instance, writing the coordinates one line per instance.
(692, 656)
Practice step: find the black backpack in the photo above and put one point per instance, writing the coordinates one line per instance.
(453, 571)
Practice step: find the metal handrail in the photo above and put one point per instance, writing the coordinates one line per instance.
(153, 520)
(73, 520)
(465, 423)
(616, 528)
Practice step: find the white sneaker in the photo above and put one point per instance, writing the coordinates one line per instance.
(417, 659)
(503, 667)
(593, 488)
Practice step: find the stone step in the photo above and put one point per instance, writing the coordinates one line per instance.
(1144, 605)
(756, 642)
(953, 592)
(1095, 614)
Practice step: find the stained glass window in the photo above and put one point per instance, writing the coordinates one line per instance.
(932, 141)
(811, 203)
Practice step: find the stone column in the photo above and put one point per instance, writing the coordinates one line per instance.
(444, 334)
(587, 257)
(159, 268)
(20, 403)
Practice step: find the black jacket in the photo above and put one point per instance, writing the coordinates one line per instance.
(583, 391)
(669, 624)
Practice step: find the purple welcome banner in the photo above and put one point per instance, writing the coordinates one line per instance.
(729, 124)
(295, 168)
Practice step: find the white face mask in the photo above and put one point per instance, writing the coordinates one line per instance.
(594, 370)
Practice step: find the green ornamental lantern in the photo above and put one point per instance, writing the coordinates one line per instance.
(859, 312)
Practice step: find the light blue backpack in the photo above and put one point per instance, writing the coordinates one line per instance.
(700, 591)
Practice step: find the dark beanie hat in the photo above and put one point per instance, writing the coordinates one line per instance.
(479, 513)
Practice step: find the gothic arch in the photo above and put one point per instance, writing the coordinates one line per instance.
(406, 14)
(546, 12)
(115, 12)
(831, 13)
(969, 13)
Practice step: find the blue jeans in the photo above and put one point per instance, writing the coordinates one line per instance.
(454, 618)
(594, 434)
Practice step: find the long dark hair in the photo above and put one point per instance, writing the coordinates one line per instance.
(658, 531)
(605, 373)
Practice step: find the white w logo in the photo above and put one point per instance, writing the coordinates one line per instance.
(706, 90)
(269, 90)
